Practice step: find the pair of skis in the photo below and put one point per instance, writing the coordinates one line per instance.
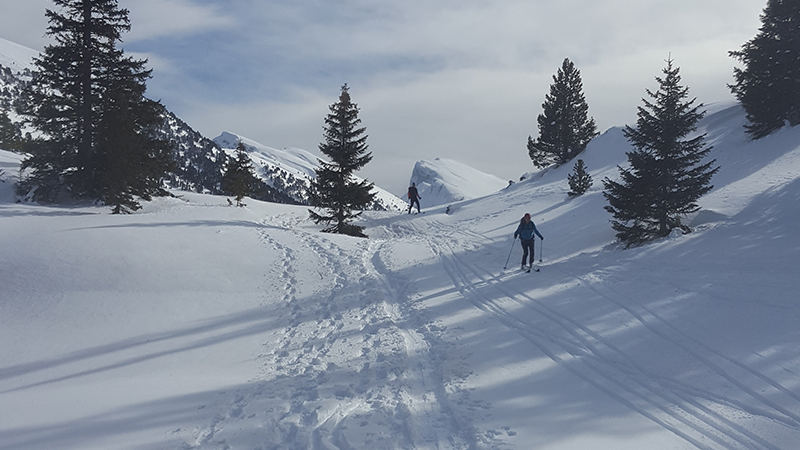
(528, 268)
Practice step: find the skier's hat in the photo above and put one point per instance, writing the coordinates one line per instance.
(527, 215)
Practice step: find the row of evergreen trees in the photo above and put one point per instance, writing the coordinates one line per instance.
(96, 133)
(97, 136)
(666, 174)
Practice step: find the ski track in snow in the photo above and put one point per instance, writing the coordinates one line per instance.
(391, 392)
(703, 418)
(729, 369)
(393, 384)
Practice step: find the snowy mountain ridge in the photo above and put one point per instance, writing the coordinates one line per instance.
(17, 58)
(299, 162)
(443, 181)
(290, 170)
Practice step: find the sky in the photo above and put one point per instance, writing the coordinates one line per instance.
(458, 79)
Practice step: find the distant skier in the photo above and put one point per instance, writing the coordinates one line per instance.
(525, 231)
(413, 197)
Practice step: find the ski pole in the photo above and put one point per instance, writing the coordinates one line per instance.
(541, 249)
(509, 253)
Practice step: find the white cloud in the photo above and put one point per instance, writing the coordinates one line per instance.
(159, 18)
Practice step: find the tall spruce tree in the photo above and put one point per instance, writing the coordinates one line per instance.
(768, 86)
(335, 189)
(665, 176)
(96, 129)
(565, 127)
(239, 179)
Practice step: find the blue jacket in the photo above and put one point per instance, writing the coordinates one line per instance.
(525, 231)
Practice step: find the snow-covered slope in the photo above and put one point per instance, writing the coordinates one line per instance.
(16, 63)
(291, 169)
(194, 325)
(16, 57)
(444, 181)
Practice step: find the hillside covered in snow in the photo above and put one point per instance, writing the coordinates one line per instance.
(443, 181)
(195, 325)
(290, 170)
(16, 58)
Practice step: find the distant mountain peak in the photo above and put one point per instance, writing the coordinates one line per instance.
(444, 181)
(291, 170)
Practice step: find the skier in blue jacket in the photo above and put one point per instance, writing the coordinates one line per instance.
(525, 231)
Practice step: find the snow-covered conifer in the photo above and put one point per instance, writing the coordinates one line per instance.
(86, 101)
(768, 86)
(335, 190)
(565, 127)
(665, 176)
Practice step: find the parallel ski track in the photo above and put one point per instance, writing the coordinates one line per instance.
(669, 403)
(705, 354)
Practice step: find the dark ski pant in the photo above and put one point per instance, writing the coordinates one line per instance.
(527, 246)
(411, 205)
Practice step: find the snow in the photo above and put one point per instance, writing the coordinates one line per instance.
(195, 325)
(16, 57)
(444, 181)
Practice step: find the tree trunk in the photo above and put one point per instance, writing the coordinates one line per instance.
(86, 147)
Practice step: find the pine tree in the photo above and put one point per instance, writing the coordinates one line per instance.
(579, 180)
(664, 178)
(130, 161)
(82, 86)
(335, 190)
(9, 133)
(564, 126)
(239, 179)
(768, 86)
